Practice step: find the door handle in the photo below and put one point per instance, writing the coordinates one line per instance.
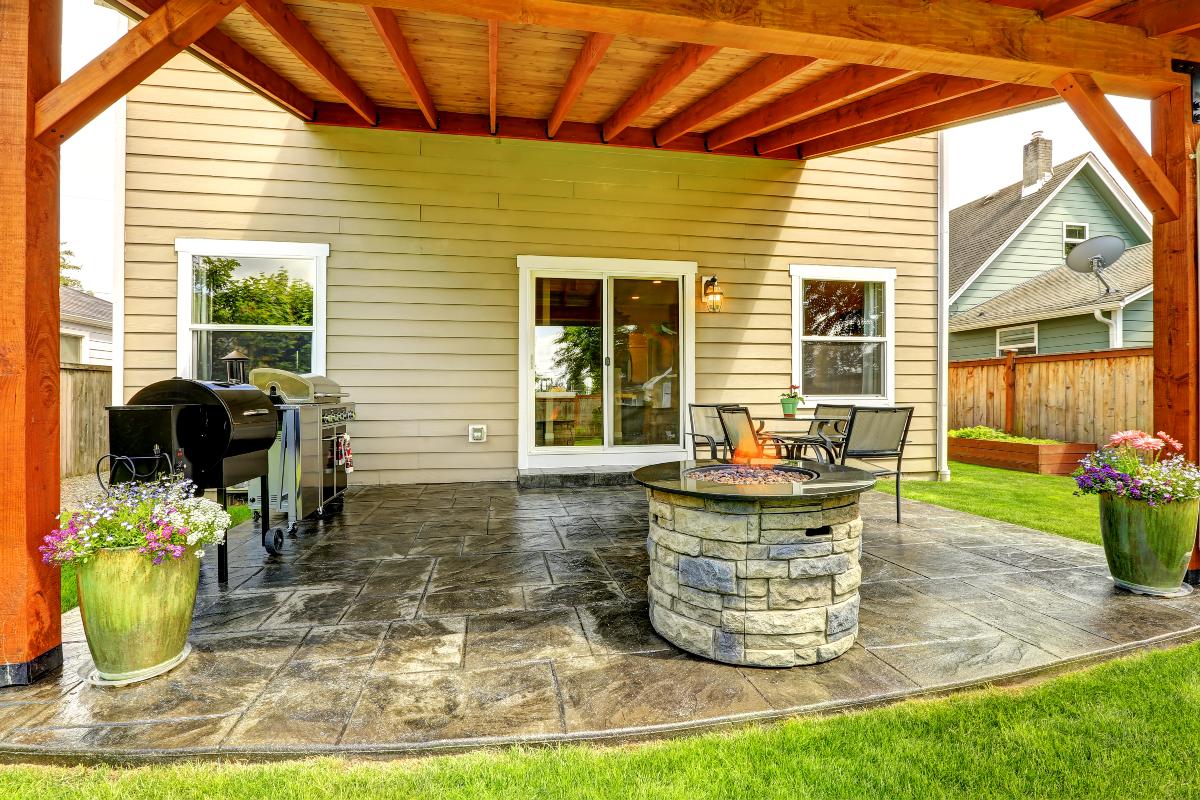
(607, 361)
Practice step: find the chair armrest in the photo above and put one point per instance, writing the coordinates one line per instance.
(710, 441)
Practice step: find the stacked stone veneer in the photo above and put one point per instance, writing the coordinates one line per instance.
(769, 583)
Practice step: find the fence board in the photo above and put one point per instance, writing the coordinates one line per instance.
(84, 391)
(1073, 397)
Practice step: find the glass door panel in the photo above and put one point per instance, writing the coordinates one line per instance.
(568, 362)
(645, 361)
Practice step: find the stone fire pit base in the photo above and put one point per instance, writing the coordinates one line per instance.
(765, 583)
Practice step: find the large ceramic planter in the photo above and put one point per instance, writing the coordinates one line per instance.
(136, 614)
(1148, 547)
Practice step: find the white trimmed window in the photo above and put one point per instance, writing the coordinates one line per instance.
(1020, 338)
(266, 299)
(1073, 234)
(843, 333)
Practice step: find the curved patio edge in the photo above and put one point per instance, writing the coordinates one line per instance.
(16, 754)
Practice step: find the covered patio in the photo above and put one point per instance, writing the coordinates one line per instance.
(522, 619)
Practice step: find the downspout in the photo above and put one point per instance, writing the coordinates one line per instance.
(1116, 336)
(943, 312)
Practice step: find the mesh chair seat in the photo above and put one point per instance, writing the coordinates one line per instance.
(877, 433)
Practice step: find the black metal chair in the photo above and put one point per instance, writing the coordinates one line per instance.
(705, 430)
(824, 433)
(742, 438)
(875, 433)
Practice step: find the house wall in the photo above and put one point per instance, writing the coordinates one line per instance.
(1038, 248)
(1138, 323)
(97, 345)
(424, 232)
(1063, 335)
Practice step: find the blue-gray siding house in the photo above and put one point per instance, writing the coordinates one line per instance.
(1001, 243)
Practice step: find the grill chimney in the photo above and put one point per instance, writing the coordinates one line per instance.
(1037, 164)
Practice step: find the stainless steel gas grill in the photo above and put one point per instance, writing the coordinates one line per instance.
(309, 462)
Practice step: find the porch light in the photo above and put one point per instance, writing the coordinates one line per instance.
(712, 293)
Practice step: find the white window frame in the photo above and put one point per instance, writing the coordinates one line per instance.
(1000, 353)
(884, 275)
(1087, 232)
(187, 249)
(84, 344)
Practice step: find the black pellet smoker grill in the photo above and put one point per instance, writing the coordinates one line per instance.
(219, 434)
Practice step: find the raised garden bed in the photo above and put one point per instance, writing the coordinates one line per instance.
(1043, 457)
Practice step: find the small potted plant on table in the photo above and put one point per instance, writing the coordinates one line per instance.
(138, 553)
(1149, 502)
(790, 400)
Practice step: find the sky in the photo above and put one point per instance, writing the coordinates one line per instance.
(981, 157)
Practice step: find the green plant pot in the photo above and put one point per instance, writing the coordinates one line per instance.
(136, 615)
(1148, 547)
(789, 405)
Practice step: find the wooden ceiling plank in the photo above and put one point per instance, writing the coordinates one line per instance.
(969, 38)
(1057, 9)
(672, 72)
(839, 88)
(924, 91)
(388, 28)
(1156, 17)
(762, 76)
(590, 55)
(222, 53)
(989, 102)
(108, 77)
(1120, 144)
(276, 17)
(493, 71)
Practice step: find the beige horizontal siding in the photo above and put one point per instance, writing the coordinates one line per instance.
(424, 231)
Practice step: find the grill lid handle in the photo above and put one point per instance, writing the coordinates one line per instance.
(254, 412)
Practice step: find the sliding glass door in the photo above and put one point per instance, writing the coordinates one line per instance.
(645, 408)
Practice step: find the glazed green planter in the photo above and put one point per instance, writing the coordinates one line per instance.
(136, 615)
(1148, 547)
(789, 405)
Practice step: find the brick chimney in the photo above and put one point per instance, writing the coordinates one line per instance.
(1037, 164)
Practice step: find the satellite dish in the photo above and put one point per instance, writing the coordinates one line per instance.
(1095, 255)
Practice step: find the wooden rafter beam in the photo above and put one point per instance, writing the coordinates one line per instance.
(1121, 145)
(1156, 17)
(762, 76)
(925, 91)
(672, 72)
(388, 28)
(130, 60)
(276, 17)
(223, 54)
(1057, 9)
(839, 88)
(406, 119)
(493, 71)
(970, 38)
(987, 103)
(590, 55)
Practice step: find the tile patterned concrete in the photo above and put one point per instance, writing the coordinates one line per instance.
(460, 615)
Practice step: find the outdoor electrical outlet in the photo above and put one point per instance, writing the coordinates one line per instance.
(477, 433)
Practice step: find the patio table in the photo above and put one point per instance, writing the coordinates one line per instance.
(794, 439)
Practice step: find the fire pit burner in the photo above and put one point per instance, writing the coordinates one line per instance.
(749, 475)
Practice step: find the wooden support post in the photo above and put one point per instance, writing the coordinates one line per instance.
(1176, 284)
(30, 633)
(1010, 392)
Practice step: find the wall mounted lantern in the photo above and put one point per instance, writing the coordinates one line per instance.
(712, 294)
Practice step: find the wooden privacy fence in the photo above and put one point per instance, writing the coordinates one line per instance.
(84, 392)
(1072, 397)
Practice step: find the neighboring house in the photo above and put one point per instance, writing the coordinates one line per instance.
(1009, 286)
(85, 328)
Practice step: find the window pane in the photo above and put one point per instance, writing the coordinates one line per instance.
(70, 348)
(1015, 337)
(568, 356)
(843, 308)
(842, 369)
(1078, 232)
(282, 350)
(253, 291)
(645, 361)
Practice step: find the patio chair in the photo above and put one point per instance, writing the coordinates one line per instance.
(742, 437)
(705, 430)
(823, 435)
(875, 433)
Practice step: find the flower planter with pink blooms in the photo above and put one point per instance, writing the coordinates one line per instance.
(1149, 504)
(138, 554)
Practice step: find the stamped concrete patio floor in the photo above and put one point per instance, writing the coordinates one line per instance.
(441, 616)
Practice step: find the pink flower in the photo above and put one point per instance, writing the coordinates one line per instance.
(1173, 442)
(1146, 442)
(1121, 438)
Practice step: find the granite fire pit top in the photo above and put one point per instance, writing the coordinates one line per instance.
(441, 617)
(687, 477)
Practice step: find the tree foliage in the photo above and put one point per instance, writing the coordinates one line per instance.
(579, 355)
(67, 269)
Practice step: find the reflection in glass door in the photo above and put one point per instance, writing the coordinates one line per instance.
(645, 361)
(568, 362)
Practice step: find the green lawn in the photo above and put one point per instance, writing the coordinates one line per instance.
(1043, 502)
(1126, 729)
(69, 590)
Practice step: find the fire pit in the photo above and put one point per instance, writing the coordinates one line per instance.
(755, 563)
